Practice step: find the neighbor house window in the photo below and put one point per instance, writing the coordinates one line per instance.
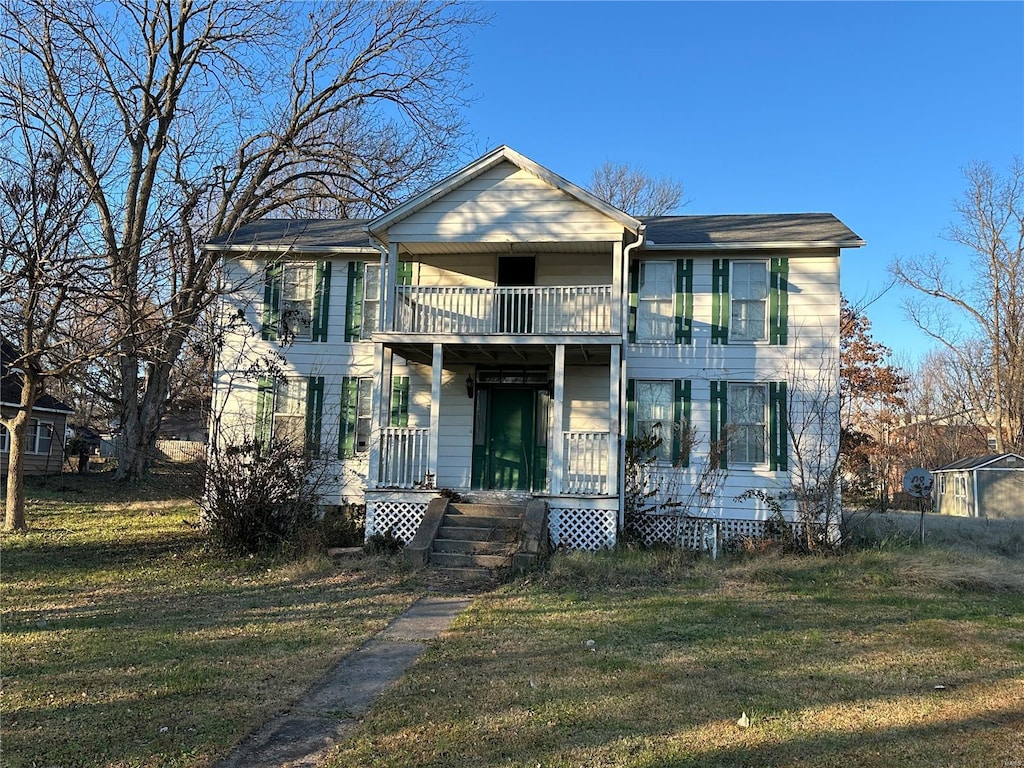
(39, 437)
(5, 440)
(748, 313)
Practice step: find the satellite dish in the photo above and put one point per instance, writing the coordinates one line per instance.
(918, 482)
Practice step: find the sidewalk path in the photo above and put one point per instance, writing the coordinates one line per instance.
(301, 737)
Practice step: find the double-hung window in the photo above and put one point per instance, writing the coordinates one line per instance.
(5, 440)
(362, 311)
(748, 316)
(289, 413)
(659, 410)
(40, 436)
(747, 424)
(655, 316)
(296, 301)
(298, 287)
(371, 301)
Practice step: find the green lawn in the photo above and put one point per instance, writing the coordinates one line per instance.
(125, 642)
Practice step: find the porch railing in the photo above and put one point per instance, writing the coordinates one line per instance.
(403, 456)
(477, 311)
(585, 462)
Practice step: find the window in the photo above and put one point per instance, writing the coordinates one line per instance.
(749, 423)
(356, 416)
(371, 301)
(296, 300)
(297, 290)
(289, 412)
(661, 409)
(746, 421)
(655, 306)
(749, 306)
(5, 440)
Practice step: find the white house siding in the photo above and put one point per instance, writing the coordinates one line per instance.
(506, 204)
(455, 436)
(808, 362)
(585, 400)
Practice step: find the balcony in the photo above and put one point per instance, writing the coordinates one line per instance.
(501, 311)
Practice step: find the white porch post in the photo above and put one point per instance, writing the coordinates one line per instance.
(382, 359)
(614, 417)
(620, 436)
(436, 369)
(388, 278)
(557, 438)
(617, 270)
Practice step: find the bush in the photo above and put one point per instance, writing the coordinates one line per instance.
(258, 499)
(343, 526)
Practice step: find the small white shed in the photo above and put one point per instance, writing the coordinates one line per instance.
(983, 486)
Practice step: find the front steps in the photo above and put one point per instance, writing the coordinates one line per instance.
(482, 541)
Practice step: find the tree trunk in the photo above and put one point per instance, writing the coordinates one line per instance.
(14, 514)
(141, 418)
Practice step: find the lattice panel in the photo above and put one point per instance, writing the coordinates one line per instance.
(402, 518)
(590, 529)
(690, 533)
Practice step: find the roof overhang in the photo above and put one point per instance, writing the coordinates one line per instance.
(753, 245)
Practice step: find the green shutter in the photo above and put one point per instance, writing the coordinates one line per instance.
(681, 436)
(404, 276)
(684, 301)
(354, 301)
(321, 300)
(778, 301)
(719, 414)
(272, 281)
(630, 408)
(347, 426)
(264, 413)
(314, 413)
(634, 298)
(400, 401)
(778, 430)
(719, 301)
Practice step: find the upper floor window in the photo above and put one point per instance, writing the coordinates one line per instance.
(296, 301)
(749, 301)
(362, 308)
(371, 301)
(655, 315)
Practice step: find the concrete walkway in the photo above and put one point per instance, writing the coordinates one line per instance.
(330, 710)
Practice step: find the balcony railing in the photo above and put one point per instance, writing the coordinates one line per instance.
(403, 457)
(585, 462)
(471, 311)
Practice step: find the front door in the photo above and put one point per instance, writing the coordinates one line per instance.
(510, 440)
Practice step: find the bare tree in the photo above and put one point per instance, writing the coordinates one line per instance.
(633, 190)
(991, 228)
(189, 119)
(48, 280)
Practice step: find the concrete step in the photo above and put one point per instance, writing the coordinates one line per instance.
(478, 547)
(465, 560)
(473, 533)
(501, 511)
(477, 521)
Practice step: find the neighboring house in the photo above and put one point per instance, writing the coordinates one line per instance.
(983, 486)
(506, 331)
(44, 443)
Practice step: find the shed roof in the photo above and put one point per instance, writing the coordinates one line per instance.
(980, 462)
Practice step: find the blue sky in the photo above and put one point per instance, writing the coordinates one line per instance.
(866, 110)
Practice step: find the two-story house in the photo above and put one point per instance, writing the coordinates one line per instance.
(506, 332)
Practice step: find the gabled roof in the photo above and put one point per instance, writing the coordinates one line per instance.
(755, 230)
(305, 235)
(979, 462)
(379, 226)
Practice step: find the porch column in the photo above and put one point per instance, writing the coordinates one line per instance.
(616, 317)
(614, 417)
(382, 360)
(557, 438)
(436, 369)
(388, 278)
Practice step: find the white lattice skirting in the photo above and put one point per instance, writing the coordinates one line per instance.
(691, 533)
(590, 529)
(402, 518)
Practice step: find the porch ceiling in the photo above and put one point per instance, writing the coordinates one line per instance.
(504, 354)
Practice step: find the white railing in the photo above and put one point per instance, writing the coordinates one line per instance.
(403, 457)
(465, 310)
(585, 461)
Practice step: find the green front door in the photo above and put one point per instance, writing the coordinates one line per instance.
(510, 448)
